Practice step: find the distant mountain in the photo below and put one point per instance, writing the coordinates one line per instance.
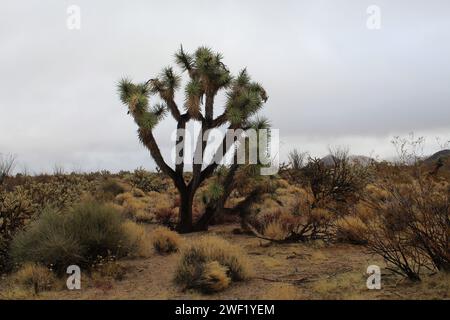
(363, 160)
(444, 154)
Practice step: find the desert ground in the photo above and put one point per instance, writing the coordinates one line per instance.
(286, 272)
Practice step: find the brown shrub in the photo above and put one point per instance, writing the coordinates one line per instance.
(213, 277)
(36, 277)
(192, 267)
(165, 241)
(351, 229)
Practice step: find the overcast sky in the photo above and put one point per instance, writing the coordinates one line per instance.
(331, 80)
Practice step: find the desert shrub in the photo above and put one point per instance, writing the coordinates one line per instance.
(60, 191)
(136, 208)
(15, 211)
(110, 188)
(83, 235)
(148, 181)
(98, 228)
(351, 229)
(411, 229)
(165, 241)
(300, 222)
(195, 263)
(167, 216)
(337, 182)
(297, 159)
(7, 163)
(36, 277)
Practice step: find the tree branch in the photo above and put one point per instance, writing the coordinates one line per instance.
(147, 138)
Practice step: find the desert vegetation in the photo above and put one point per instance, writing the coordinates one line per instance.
(225, 230)
(344, 212)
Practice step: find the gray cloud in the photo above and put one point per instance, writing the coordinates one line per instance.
(330, 79)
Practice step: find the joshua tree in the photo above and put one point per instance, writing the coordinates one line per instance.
(208, 75)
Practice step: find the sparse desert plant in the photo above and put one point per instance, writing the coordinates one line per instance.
(192, 267)
(83, 235)
(165, 241)
(35, 277)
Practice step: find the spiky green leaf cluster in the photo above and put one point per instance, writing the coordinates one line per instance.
(244, 99)
(215, 190)
(207, 72)
(193, 92)
(136, 98)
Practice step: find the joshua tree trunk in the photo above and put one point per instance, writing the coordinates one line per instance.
(185, 212)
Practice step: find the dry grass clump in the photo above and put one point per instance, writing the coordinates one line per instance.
(276, 230)
(199, 264)
(135, 205)
(351, 229)
(136, 238)
(214, 277)
(35, 277)
(108, 269)
(165, 241)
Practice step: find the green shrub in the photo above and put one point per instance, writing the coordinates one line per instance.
(82, 236)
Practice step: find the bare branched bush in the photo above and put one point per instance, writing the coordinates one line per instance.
(340, 181)
(297, 223)
(336, 182)
(411, 228)
(7, 163)
(297, 159)
(409, 149)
